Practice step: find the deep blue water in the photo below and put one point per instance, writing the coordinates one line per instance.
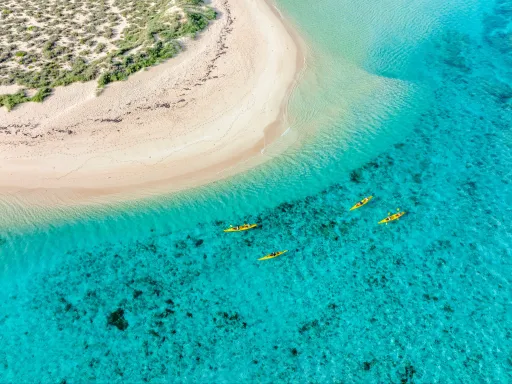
(426, 299)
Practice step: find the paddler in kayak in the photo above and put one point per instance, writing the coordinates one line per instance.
(391, 217)
(239, 228)
(361, 203)
(272, 255)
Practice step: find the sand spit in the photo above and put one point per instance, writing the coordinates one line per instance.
(171, 127)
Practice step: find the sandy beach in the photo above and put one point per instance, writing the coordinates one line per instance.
(176, 125)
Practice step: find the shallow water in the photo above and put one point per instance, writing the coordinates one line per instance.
(408, 102)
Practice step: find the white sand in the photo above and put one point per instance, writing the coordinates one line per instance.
(171, 127)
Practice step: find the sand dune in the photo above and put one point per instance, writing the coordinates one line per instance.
(167, 128)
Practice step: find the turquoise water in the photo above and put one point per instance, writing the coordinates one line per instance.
(408, 102)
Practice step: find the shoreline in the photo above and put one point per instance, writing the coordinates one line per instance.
(181, 124)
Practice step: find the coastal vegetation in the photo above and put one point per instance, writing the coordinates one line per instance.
(11, 100)
(48, 44)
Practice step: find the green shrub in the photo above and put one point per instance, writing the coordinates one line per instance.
(196, 22)
(41, 94)
(210, 14)
(12, 100)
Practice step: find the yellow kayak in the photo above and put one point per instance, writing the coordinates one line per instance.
(361, 203)
(272, 255)
(240, 228)
(396, 216)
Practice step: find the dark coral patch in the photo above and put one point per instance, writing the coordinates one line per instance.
(117, 319)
